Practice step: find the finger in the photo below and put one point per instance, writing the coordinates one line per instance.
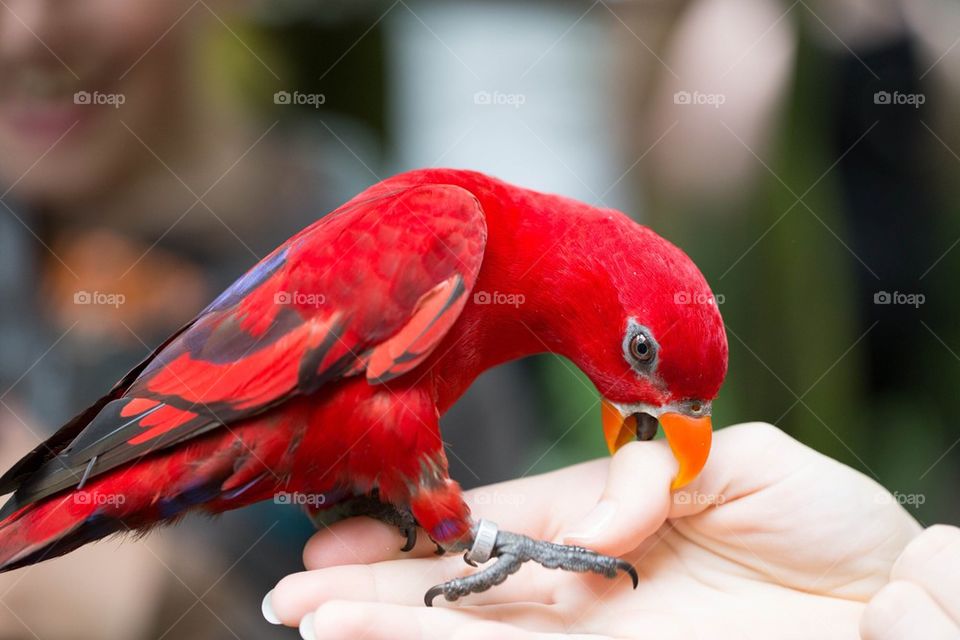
(757, 469)
(402, 582)
(932, 561)
(903, 611)
(746, 458)
(361, 540)
(633, 504)
(338, 620)
(485, 630)
(541, 506)
(344, 620)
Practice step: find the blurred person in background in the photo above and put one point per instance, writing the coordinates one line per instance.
(136, 183)
(805, 154)
(150, 152)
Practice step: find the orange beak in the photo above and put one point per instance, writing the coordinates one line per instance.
(689, 438)
(617, 428)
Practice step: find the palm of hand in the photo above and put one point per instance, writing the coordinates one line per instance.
(770, 542)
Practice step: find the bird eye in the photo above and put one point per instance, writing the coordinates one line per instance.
(640, 348)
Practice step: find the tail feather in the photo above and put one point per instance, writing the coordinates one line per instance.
(48, 531)
(222, 471)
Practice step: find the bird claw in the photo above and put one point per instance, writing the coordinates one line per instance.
(512, 550)
(371, 506)
(411, 534)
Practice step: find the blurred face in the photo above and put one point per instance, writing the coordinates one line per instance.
(72, 73)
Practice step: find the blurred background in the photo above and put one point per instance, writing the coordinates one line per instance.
(805, 154)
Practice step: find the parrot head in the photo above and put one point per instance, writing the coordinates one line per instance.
(657, 349)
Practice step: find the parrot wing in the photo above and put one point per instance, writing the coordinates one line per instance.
(370, 289)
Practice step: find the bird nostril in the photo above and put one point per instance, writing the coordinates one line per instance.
(646, 426)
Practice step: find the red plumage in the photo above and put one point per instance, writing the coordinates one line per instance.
(324, 369)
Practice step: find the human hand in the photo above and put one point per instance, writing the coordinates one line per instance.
(923, 597)
(773, 540)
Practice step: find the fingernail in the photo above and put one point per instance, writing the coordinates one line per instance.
(594, 522)
(306, 628)
(266, 608)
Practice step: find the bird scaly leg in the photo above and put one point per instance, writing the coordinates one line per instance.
(511, 550)
(438, 505)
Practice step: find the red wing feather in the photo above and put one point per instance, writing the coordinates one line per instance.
(376, 286)
(436, 312)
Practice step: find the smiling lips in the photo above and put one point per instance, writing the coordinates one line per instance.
(38, 103)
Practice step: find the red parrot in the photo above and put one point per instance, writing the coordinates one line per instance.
(324, 371)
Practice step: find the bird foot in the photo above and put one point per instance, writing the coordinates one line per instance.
(373, 507)
(511, 550)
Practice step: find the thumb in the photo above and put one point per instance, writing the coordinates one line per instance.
(634, 502)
